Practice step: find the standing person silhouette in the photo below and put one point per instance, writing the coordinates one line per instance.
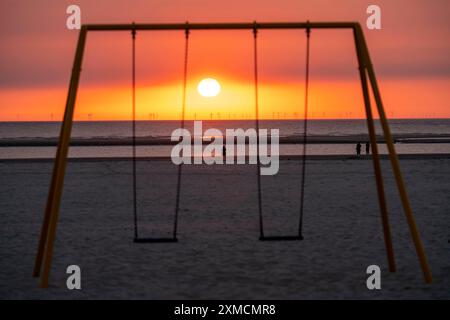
(358, 149)
(367, 147)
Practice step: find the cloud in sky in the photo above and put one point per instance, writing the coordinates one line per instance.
(37, 49)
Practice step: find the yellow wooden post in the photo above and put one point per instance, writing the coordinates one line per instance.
(395, 163)
(48, 234)
(46, 221)
(375, 155)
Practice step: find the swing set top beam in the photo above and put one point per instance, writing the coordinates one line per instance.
(221, 26)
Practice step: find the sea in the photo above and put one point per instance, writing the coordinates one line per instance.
(100, 139)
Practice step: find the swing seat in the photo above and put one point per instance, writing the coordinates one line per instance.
(280, 238)
(154, 240)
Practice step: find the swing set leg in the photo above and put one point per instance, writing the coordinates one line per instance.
(365, 58)
(48, 232)
(376, 159)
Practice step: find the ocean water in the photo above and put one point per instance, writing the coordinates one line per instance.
(116, 129)
(326, 137)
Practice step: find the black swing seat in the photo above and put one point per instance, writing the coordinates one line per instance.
(280, 238)
(154, 240)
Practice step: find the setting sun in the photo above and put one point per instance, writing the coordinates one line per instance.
(208, 87)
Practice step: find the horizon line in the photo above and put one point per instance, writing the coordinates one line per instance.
(238, 119)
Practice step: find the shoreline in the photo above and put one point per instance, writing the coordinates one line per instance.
(166, 141)
(282, 157)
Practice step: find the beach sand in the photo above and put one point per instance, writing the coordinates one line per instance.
(218, 255)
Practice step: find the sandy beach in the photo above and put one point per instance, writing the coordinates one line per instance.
(218, 255)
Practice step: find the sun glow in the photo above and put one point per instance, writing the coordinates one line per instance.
(208, 87)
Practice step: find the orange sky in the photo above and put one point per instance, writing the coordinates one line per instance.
(410, 55)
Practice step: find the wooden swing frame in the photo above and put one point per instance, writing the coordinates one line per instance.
(43, 260)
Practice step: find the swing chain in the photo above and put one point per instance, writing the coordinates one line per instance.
(305, 132)
(258, 163)
(183, 114)
(133, 74)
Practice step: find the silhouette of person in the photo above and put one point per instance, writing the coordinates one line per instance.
(358, 149)
(367, 147)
